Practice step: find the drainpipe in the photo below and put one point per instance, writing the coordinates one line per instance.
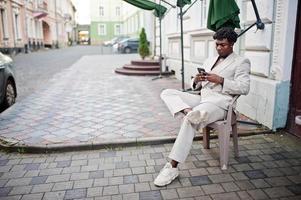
(56, 26)
(26, 29)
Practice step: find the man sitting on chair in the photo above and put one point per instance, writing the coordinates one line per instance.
(226, 75)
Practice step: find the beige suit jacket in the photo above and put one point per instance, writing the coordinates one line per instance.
(235, 70)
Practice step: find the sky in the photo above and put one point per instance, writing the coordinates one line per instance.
(82, 11)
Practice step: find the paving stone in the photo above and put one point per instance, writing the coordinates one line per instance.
(101, 182)
(151, 195)
(42, 188)
(76, 194)
(110, 190)
(141, 187)
(20, 190)
(94, 191)
(79, 176)
(4, 191)
(122, 172)
(127, 188)
(38, 180)
(245, 185)
(230, 187)
(89, 168)
(260, 183)
(83, 184)
(277, 192)
(296, 189)
(190, 191)
(49, 172)
(145, 178)
(212, 189)
(130, 179)
(200, 180)
(121, 165)
(220, 178)
(255, 174)
(225, 196)
(18, 182)
(242, 167)
(244, 195)
(63, 186)
(278, 181)
(116, 180)
(31, 166)
(58, 178)
(198, 172)
(239, 176)
(169, 194)
(32, 196)
(131, 196)
(257, 194)
(96, 174)
(138, 170)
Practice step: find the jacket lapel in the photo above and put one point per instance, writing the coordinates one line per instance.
(223, 65)
(220, 67)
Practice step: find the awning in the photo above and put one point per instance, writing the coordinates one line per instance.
(159, 10)
(182, 3)
(222, 13)
(39, 14)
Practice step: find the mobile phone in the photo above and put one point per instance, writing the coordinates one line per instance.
(202, 71)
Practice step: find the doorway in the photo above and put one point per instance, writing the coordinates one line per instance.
(295, 98)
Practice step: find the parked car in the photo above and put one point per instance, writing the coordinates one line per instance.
(114, 40)
(8, 89)
(129, 45)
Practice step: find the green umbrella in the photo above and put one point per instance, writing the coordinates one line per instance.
(159, 10)
(182, 3)
(222, 13)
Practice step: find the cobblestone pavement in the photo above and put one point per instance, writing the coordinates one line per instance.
(269, 167)
(87, 105)
(34, 70)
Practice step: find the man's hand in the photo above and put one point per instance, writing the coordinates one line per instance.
(199, 78)
(214, 78)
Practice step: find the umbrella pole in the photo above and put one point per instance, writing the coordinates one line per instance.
(182, 48)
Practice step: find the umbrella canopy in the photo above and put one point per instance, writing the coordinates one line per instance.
(222, 13)
(182, 3)
(159, 10)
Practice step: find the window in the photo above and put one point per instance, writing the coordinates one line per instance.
(4, 23)
(117, 11)
(101, 11)
(102, 29)
(17, 31)
(117, 29)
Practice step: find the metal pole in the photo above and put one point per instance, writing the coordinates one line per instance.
(160, 61)
(182, 48)
(56, 25)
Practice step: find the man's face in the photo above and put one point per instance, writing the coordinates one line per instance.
(223, 47)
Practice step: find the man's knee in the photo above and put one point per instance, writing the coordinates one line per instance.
(167, 92)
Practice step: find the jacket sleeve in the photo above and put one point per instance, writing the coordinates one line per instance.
(195, 86)
(240, 85)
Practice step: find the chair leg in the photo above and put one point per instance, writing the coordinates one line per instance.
(224, 138)
(235, 139)
(206, 138)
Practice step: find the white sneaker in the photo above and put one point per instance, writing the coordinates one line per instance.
(196, 116)
(166, 175)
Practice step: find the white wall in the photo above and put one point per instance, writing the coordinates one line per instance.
(270, 51)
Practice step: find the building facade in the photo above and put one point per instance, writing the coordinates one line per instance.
(270, 52)
(28, 25)
(111, 19)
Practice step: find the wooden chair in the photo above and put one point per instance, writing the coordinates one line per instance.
(224, 129)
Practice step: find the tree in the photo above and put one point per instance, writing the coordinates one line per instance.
(143, 45)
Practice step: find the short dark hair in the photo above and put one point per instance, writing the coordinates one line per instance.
(226, 33)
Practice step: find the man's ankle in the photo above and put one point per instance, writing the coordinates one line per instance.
(174, 164)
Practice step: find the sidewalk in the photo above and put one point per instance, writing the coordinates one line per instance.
(269, 167)
(88, 106)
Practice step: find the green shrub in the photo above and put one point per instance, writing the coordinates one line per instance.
(143, 45)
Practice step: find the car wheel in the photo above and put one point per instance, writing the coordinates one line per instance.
(10, 94)
(127, 50)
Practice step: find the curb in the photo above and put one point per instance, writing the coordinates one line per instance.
(36, 149)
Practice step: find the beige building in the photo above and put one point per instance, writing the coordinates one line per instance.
(28, 25)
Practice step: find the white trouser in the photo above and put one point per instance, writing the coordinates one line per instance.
(177, 101)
